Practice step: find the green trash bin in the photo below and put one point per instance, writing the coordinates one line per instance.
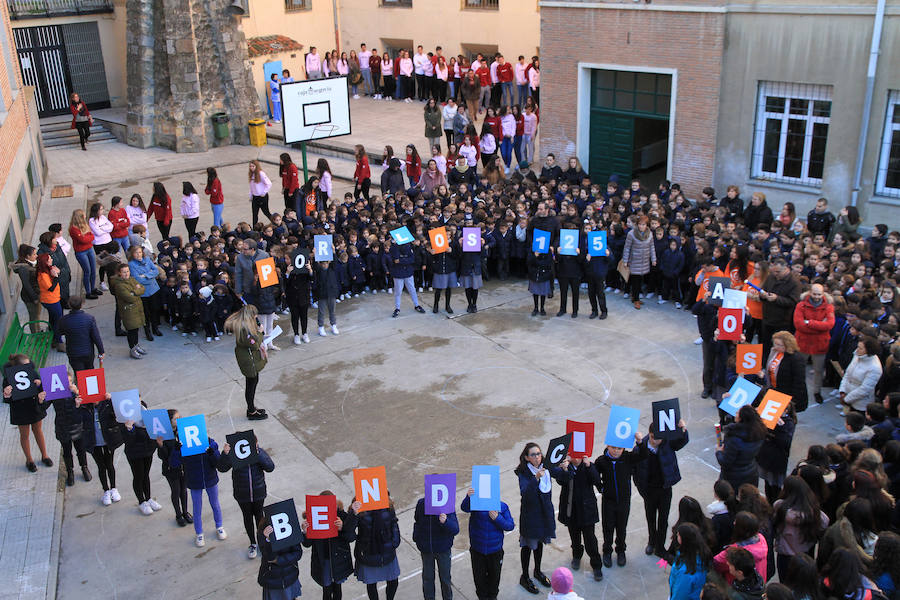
(220, 125)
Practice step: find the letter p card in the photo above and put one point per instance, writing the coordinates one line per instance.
(265, 270)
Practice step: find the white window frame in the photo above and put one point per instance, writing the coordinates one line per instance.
(788, 91)
(890, 127)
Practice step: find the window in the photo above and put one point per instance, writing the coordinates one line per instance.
(630, 91)
(30, 172)
(487, 4)
(22, 206)
(10, 248)
(887, 182)
(403, 3)
(791, 131)
(292, 5)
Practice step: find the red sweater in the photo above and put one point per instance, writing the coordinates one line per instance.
(494, 122)
(215, 192)
(119, 219)
(504, 72)
(290, 180)
(413, 167)
(81, 241)
(484, 75)
(161, 210)
(362, 171)
(74, 112)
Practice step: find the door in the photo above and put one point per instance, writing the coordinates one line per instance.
(42, 58)
(84, 56)
(272, 67)
(612, 145)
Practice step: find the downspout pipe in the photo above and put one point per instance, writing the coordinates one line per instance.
(867, 105)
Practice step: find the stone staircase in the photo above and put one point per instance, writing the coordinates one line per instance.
(56, 132)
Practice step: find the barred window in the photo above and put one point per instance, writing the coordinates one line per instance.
(791, 132)
(292, 5)
(888, 179)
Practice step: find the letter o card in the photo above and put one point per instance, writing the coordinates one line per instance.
(557, 450)
(55, 381)
(471, 239)
(127, 406)
(439, 241)
(265, 270)
(582, 439)
(623, 424)
(324, 247)
(192, 435)
(370, 486)
(282, 516)
(21, 378)
(731, 323)
(440, 494)
(243, 448)
(749, 359)
(91, 385)
(772, 406)
(299, 259)
(321, 513)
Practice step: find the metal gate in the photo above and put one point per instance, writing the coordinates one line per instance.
(84, 57)
(42, 57)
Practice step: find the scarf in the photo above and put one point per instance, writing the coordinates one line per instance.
(545, 479)
(774, 363)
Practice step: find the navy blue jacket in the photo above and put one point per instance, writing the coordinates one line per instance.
(377, 537)
(671, 263)
(596, 266)
(248, 482)
(663, 459)
(486, 534)
(738, 457)
(402, 260)
(137, 443)
(707, 319)
(540, 267)
(615, 475)
(327, 282)
(112, 433)
(577, 502)
(81, 333)
(430, 535)
(284, 571)
(336, 551)
(199, 469)
(356, 268)
(470, 263)
(536, 517)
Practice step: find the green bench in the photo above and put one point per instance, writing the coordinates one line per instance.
(35, 345)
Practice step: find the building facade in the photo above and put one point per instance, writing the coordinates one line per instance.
(22, 166)
(766, 95)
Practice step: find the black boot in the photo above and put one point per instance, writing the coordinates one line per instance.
(156, 331)
(86, 473)
(437, 303)
(447, 301)
(148, 333)
(70, 477)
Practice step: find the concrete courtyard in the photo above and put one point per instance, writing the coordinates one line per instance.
(419, 394)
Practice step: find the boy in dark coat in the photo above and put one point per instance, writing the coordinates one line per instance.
(616, 466)
(503, 242)
(486, 530)
(186, 309)
(671, 264)
(433, 535)
(356, 269)
(328, 288)
(578, 511)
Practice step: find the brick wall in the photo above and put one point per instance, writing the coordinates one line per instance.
(692, 43)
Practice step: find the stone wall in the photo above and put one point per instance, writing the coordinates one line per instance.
(187, 59)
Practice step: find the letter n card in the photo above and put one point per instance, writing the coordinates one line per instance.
(321, 513)
(749, 359)
(666, 414)
(371, 488)
(91, 385)
(582, 439)
(265, 270)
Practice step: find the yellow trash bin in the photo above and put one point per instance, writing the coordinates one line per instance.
(257, 132)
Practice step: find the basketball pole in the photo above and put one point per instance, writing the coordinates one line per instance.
(305, 168)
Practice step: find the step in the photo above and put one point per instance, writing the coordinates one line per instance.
(64, 133)
(73, 142)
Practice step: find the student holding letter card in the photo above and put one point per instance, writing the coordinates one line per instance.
(377, 540)
(433, 535)
(26, 413)
(537, 525)
(616, 466)
(69, 426)
(444, 265)
(568, 270)
(139, 450)
(102, 434)
(596, 268)
(775, 452)
(740, 445)
(279, 571)
(200, 475)
(248, 485)
(578, 511)
(470, 264)
(486, 529)
(540, 275)
(174, 475)
(332, 559)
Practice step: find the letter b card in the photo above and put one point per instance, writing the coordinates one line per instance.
(282, 516)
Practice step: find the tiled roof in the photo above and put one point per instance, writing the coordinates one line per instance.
(271, 44)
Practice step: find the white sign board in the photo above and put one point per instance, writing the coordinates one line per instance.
(315, 109)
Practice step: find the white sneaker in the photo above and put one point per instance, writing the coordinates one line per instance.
(184, 334)
(208, 339)
(103, 286)
(374, 291)
(679, 305)
(106, 500)
(154, 504)
(193, 334)
(315, 305)
(420, 289)
(698, 341)
(357, 295)
(217, 338)
(297, 340)
(356, 96)
(174, 327)
(660, 301)
(337, 301)
(305, 338)
(114, 495)
(220, 533)
(199, 541)
(608, 289)
(145, 508)
(334, 330)
(274, 317)
(251, 551)
(273, 347)
(627, 295)
(649, 296)
(286, 311)
(322, 331)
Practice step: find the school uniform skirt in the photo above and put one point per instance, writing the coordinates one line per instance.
(289, 593)
(26, 411)
(388, 572)
(471, 281)
(442, 281)
(539, 288)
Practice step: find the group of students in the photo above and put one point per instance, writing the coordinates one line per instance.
(487, 81)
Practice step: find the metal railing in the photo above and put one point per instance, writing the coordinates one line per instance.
(482, 4)
(29, 9)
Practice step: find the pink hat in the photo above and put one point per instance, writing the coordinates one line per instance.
(562, 580)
